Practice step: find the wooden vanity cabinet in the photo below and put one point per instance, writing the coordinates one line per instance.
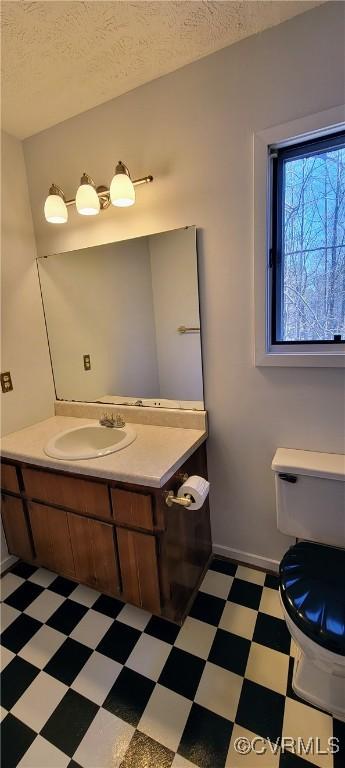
(118, 538)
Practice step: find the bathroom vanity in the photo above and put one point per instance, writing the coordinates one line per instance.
(105, 522)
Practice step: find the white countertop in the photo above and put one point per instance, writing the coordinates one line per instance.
(153, 457)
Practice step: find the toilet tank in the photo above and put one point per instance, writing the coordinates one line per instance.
(310, 495)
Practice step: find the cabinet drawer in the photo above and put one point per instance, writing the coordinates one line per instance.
(16, 527)
(78, 494)
(9, 480)
(51, 538)
(132, 509)
(93, 546)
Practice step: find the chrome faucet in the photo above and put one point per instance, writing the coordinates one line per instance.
(112, 420)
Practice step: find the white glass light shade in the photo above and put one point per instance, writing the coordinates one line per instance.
(55, 210)
(122, 192)
(87, 200)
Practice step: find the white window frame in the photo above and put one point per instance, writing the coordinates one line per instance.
(266, 354)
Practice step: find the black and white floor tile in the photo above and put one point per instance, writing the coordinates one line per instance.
(88, 682)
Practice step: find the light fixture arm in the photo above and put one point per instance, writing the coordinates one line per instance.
(56, 190)
(105, 191)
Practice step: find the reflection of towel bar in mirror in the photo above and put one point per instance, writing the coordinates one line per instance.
(186, 329)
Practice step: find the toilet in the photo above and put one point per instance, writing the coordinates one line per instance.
(310, 504)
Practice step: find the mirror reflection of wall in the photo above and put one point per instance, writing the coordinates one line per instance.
(123, 305)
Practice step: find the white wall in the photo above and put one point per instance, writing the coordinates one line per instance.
(24, 350)
(99, 302)
(193, 130)
(176, 302)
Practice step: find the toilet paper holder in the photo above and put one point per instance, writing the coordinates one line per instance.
(183, 501)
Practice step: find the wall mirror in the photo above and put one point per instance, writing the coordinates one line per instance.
(123, 321)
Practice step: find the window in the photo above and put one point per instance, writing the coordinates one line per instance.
(307, 254)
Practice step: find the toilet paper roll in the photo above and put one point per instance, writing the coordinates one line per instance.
(198, 488)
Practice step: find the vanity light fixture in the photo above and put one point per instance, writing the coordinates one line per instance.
(87, 200)
(55, 209)
(90, 200)
(122, 192)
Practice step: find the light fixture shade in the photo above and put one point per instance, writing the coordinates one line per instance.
(122, 192)
(55, 209)
(86, 199)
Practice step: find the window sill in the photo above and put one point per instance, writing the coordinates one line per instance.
(300, 358)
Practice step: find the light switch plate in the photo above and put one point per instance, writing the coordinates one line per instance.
(87, 362)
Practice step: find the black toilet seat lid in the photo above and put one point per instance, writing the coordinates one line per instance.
(312, 587)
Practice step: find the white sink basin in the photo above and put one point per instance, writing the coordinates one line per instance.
(89, 442)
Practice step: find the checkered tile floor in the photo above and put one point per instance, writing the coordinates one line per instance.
(90, 682)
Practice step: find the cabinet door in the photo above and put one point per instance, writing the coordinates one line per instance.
(16, 527)
(93, 545)
(51, 538)
(139, 570)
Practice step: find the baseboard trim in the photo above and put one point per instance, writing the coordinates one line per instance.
(219, 549)
(246, 557)
(7, 562)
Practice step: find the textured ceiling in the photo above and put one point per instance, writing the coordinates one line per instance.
(61, 58)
